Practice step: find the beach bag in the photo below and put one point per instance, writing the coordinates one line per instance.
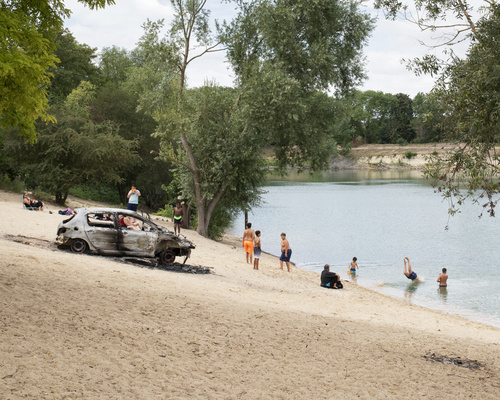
(339, 285)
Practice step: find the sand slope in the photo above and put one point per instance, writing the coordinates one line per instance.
(91, 327)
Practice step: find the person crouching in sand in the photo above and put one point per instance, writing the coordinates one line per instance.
(408, 271)
(330, 280)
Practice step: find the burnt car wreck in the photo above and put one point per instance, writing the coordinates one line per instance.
(114, 231)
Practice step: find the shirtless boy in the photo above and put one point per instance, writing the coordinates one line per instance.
(286, 252)
(248, 238)
(353, 266)
(256, 250)
(409, 273)
(178, 214)
(443, 278)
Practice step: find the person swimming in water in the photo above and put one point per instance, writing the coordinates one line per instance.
(408, 271)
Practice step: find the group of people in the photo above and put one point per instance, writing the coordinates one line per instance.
(178, 214)
(412, 275)
(332, 280)
(252, 245)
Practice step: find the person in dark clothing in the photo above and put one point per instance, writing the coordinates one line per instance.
(329, 279)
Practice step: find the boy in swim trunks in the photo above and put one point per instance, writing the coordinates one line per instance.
(443, 279)
(286, 252)
(256, 250)
(178, 214)
(409, 273)
(353, 266)
(248, 238)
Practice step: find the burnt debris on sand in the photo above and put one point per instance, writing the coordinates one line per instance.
(471, 364)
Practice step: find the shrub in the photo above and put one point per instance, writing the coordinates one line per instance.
(410, 154)
(102, 193)
(166, 212)
(11, 185)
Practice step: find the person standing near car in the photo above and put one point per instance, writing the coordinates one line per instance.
(133, 198)
(177, 217)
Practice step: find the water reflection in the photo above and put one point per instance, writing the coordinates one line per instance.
(443, 293)
(358, 177)
(411, 288)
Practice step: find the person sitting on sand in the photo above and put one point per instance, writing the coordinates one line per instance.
(329, 279)
(408, 271)
(443, 278)
(32, 203)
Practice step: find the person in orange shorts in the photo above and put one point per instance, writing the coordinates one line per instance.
(248, 238)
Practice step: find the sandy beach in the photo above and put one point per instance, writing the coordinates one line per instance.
(90, 327)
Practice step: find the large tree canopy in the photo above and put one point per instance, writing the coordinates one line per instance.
(78, 148)
(283, 52)
(468, 93)
(27, 44)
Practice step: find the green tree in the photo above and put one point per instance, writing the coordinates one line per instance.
(117, 100)
(371, 115)
(283, 58)
(27, 45)
(402, 116)
(469, 90)
(76, 149)
(428, 118)
(76, 64)
(114, 64)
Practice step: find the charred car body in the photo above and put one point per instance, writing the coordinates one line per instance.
(105, 231)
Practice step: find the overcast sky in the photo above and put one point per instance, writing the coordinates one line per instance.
(121, 25)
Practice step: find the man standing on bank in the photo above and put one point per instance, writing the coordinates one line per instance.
(286, 252)
(133, 199)
(178, 214)
(248, 238)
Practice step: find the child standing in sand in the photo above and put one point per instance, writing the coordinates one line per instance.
(256, 250)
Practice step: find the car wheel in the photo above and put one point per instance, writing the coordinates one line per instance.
(78, 246)
(167, 257)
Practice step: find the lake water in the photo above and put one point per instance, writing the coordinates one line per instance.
(381, 217)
